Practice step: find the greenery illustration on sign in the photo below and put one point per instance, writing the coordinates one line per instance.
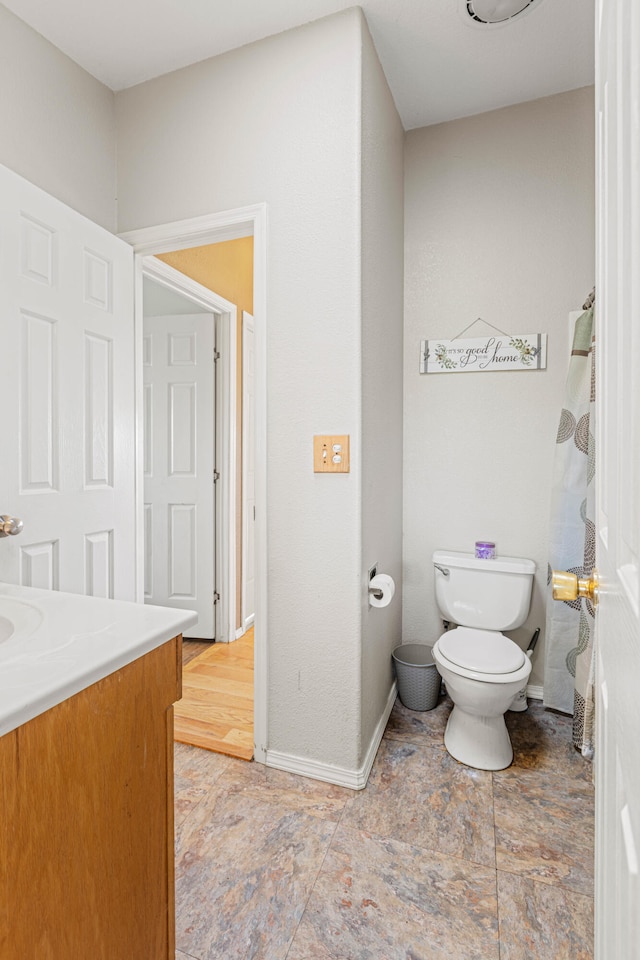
(526, 351)
(443, 358)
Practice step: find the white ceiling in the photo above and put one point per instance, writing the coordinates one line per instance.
(438, 63)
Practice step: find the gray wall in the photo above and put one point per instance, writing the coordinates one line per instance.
(279, 121)
(499, 216)
(381, 352)
(57, 123)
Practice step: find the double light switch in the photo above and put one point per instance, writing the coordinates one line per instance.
(331, 454)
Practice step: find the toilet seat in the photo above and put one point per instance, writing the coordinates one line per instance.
(481, 651)
(519, 675)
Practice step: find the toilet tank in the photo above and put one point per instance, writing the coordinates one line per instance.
(487, 594)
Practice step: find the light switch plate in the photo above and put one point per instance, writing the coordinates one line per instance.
(328, 460)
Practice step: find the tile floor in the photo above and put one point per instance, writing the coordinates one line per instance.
(432, 860)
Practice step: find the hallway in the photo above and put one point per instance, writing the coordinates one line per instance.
(216, 709)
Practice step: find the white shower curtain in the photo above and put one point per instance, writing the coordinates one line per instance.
(568, 675)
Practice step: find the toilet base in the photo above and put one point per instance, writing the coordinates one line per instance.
(479, 742)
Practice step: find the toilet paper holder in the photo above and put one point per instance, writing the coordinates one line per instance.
(374, 590)
(381, 590)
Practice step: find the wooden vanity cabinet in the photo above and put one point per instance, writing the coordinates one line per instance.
(86, 821)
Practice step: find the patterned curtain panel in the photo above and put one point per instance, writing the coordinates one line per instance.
(569, 655)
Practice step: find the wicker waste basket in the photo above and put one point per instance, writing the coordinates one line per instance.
(418, 677)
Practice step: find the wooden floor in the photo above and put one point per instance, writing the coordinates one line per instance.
(216, 710)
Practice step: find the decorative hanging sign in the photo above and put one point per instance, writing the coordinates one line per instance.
(527, 351)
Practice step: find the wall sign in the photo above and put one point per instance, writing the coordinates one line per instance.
(527, 351)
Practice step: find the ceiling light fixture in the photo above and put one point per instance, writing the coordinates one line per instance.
(493, 12)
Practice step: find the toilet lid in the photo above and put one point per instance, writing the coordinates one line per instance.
(481, 650)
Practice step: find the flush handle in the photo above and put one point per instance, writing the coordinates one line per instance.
(567, 586)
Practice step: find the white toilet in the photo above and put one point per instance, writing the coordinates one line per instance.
(483, 669)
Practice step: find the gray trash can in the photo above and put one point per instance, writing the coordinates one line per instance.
(418, 677)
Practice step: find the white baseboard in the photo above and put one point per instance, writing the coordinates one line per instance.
(328, 772)
(378, 733)
(341, 776)
(240, 632)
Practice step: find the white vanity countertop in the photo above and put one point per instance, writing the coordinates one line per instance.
(62, 643)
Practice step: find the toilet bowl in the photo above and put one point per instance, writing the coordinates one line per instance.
(483, 672)
(482, 668)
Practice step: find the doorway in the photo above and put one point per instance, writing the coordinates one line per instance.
(183, 469)
(187, 457)
(147, 243)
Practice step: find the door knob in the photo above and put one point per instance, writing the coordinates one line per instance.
(10, 526)
(567, 586)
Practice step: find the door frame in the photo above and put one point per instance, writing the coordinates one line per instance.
(196, 232)
(225, 338)
(247, 621)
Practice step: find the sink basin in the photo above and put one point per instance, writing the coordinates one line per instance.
(17, 618)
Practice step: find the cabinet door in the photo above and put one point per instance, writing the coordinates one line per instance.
(86, 833)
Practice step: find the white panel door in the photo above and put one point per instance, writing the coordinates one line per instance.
(618, 482)
(67, 397)
(179, 455)
(248, 470)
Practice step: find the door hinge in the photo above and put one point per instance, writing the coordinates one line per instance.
(216, 476)
(216, 598)
(216, 356)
